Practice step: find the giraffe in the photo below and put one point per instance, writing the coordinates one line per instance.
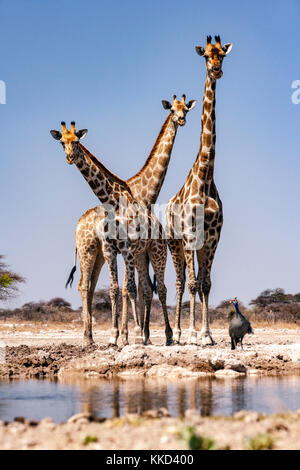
(199, 191)
(126, 214)
(145, 187)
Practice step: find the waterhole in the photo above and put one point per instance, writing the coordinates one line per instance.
(37, 399)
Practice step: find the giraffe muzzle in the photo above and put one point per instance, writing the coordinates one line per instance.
(70, 159)
(217, 73)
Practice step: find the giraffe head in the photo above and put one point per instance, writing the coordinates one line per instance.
(179, 109)
(69, 140)
(214, 55)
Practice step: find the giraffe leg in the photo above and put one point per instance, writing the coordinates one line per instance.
(176, 250)
(145, 289)
(192, 287)
(204, 285)
(158, 258)
(95, 276)
(141, 302)
(87, 258)
(124, 327)
(110, 255)
(131, 289)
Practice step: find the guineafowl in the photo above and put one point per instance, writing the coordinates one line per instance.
(238, 326)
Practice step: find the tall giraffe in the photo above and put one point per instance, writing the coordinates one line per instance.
(145, 187)
(127, 215)
(199, 190)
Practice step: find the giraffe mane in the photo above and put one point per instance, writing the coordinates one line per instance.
(105, 170)
(154, 148)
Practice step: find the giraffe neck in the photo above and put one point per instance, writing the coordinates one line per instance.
(106, 186)
(147, 183)
(204, 165)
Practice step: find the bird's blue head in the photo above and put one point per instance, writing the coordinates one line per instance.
(235, 303)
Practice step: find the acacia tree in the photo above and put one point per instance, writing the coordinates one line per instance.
(9, 281)
(270, 296)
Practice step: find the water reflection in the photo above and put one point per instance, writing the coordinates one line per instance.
(113, 398)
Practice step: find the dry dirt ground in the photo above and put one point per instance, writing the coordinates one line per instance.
(59, 351)
(155, 430)
(47, 351)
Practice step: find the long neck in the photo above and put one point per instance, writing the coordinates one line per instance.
(105, 185)
(203, 167)
(147, 183)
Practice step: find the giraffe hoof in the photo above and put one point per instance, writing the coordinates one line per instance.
(192, 339)
(138, 340)
(176, 337)
(169, 342)
(88, 341)
(112, 342)
(207, 341)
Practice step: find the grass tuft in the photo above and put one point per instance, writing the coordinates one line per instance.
(90, 440)
(195, 441)
(260, 442)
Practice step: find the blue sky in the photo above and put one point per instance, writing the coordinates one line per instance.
(107, 65)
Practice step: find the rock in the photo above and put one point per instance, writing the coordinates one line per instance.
(236, 366)
(160, 413)
(132, 373)
(81, 418)
(223, 373)
(47, 423)
(247, 416)
(192, 413)
(165, 370)
(21, 419)
(251, 417)
(254, 372)
(294, 352)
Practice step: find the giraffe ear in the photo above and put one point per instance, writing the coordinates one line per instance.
(200, 50)
(56, 135)
(166, 104)
(191, 104)
(81, 134)
(227, 48)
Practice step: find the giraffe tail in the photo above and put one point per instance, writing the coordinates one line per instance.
(71, 276)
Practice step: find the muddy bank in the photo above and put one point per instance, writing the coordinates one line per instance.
(29, 362)
(155, 429)
(267, 351)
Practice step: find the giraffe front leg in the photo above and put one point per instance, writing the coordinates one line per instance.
(87, 260)
(206, 336)
(204, 285)
(192, 287)
(86, 316)
(131, 288)
(111, 259)
(159, 259)
(145, 294)
(175, 247)
(124, 327)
